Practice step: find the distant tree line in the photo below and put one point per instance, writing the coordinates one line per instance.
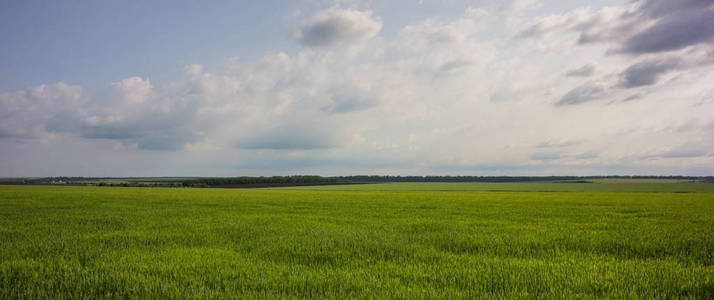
(298, 179)
(311, 179)
(137, 184)
(378, 178)
(61, 179)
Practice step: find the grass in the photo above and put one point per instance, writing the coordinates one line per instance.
(94, 242)
(664, 186)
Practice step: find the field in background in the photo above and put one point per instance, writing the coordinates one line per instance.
(599, 185)
(92, 242)
(512, 183)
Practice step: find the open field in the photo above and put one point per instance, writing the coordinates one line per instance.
(94, 242)
(631, 185)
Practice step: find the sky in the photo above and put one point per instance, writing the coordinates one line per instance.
(430, 87)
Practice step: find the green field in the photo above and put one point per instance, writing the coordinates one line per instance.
(658, 186)
(104, 242)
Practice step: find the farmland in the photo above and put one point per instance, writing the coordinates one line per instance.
(595, 186)
(394, 240)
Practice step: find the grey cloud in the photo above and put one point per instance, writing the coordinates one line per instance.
(547, 144)
(165, 141)
(490, 168)
(675, 25)
(505, 93)
(291, 137)
(634, 97)
(455, 65)
(349, 100)
(501, 95)
(582, 94)
(338, 27)
(545, 156)
(647, 72)
(109, 131)
(537, 30)
(688, 150)
(300, 163)
(158, 135)
(148, 133)
(273, 163)
(584, 71)
(674, 31)
(555, 144)
(347, 105)
(6, 134)
(588, 155)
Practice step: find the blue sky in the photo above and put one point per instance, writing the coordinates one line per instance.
(69, 40)
(223, 88)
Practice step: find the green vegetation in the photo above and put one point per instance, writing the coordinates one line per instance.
(101, 242)
(664, 186)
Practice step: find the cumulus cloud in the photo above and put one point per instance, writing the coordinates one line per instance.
(336, 27)
(661, 36)
(133, 89)
(132, 114)
(23, 114)
(194, 70)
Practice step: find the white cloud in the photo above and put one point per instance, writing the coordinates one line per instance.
(133, 89)
(472, 12)
(519, 5)
(432, 33)
(23, 114)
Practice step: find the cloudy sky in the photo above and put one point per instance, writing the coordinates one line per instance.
(430, 87)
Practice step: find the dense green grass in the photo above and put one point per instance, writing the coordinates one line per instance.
(76, 242)
(629, 185)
